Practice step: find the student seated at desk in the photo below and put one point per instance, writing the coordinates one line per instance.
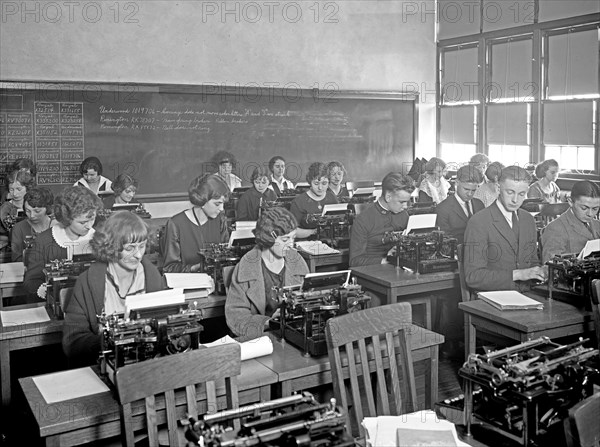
(501, 240)
(124, 188)
(546, 187)
(25, 164)
(279, 183)
(488, 192)
(336, 173)
(313, 200)
(456, 210)
(75, 211)
(187, 233)
(272, 263)
(120, 271)
(226, 162)
(434, 187)
(19, 182)
(38, 209)
(91, 176)
(248, 207)
(571, 230)
(388, 213)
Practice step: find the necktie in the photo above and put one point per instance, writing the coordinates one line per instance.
(469, 213)
(589, 227)
(515, 225)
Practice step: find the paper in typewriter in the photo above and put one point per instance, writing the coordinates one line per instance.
(189, 281)
(154, 299)
(590, 247)
(315, 248)
(418, 221)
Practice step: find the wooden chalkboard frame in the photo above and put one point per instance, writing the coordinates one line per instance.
(126, 90)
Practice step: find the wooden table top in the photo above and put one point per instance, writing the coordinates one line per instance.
(390, 276)
(289, 363)
(555, 314)
(14, 331)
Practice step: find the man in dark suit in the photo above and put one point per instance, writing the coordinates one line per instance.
(454, 212)
(501, 240)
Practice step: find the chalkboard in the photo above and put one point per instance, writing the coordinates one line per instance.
(165, 135)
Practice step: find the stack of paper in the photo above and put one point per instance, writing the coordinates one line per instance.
(249, 349)
(188, 281)
(509, 300)
(315, 248)
(11, 272)
(66, 385)
(12, 318)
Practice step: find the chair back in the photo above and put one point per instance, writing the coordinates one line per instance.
(375, 340)
(581, 427)
(64, 296)
(465, 292)
(227, 276)
(163, 375)
(596, 307)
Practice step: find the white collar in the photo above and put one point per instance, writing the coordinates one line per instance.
(507, 214)
(59, 233)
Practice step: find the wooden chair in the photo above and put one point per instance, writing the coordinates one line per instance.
(228, 275)
(164, 375)
(581, 427)
(596, 307)
(373, 340)
(465, 291)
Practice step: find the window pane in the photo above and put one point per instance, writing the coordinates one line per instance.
(573, 63)
(509, 155)
(511, 71)
(457, 124)
(556, 9)
(572, 157)
(568, 123)
(457, 154)
(459, 75)
(457, 19)
(507, 124)
(506, 14)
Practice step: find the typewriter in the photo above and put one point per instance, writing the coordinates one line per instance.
(305, 309)
(423, 250)
(297, 420)
(570, 278)
(10, 220)
(421, 208)
(333, 228)
(525, 391)
(146, 334)
(217, 256)
(284, 200)
(60, 275)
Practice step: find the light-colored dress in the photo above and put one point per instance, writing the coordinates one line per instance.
(437, 193)
(553, 196)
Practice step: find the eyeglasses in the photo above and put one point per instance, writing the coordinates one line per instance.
(263, 181)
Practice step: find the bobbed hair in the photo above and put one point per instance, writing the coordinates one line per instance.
(494, 170)
(258, 173)
(23, 176)
(119, 229)
(224, 157)
(433, 163)
(395, 181)
(39, 198)
(317, 170)
(469, 174)
(122, 182)
(585, 188)
(479, 158)
(335, 164)
(273, 222)
(24, 163)
(274, 160)
(90, 163)
(515, 173)
(542, 168)
(75, 201)
(207, 187)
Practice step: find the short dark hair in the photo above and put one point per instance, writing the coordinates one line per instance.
(22, 176)
(90, 163)
(494, 170)
(24, 163)
(273, 222)
(119, 229)
(259, 172)
(433, 163)
(224, 157)
(479, 157)
(515, 173)
(274, 160)
(317, 170)
(39, 198)
(335, 164)
(395, 181)
(122, 182)
(542, 168)
(207, 187)
(469, 174)
(585, 188)
(75, 201)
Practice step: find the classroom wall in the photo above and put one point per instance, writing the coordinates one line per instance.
(356, 45)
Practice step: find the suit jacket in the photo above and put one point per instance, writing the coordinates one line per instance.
(567, 234)
(451, 217)
(491, 251)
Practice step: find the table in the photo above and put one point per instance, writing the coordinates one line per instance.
(90, 418)
(23, 336)
(338, 260)
(297, 372)
(392, 282)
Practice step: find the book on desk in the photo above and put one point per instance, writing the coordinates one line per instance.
(509, 300)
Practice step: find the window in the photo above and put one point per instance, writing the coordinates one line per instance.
(457, 154)
(509, 155)
(580, 158)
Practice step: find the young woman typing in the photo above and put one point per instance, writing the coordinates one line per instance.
(120, 271)
(272, 263)
(248, 207)
(91, 176)
(313, 200)
(337, 172)
(188, 232)
(546, 187)
(19, 182)
(124, 187)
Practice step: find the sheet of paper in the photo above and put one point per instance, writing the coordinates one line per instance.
(334, 208)
(509, 298)
(245, 225)
(154, 299)
(590, 247)
(246, 233)
(315, 248)
(189, 281)
(249, 349)
(11, 272)
(418, 221)
(23, 316)
(66, 385)
(363, 191)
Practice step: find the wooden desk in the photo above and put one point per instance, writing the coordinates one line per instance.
(338, 261)
(23, 336)
(91, 418)
(212, 306)
(393, 282)
(296, 372)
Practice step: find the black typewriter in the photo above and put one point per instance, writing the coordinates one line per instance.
(304, 309)
(297, 420)
(333, 228)
(217, 256)
(570, 278)
(421, 208)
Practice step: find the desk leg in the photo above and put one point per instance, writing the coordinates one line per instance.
(431, 388)
(5, 372)
(428, 314)
(265, 393)
(468, 405)
(392, 295)
(470, 337)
